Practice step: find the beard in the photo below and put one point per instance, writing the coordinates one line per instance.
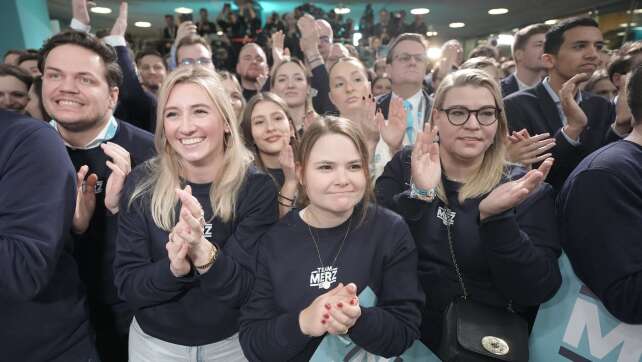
(79, 126)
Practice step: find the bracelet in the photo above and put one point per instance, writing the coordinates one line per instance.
(422, 194)
(211, 260)
(286, 198)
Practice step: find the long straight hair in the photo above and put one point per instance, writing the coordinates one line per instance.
(166, 169)
(493, 166)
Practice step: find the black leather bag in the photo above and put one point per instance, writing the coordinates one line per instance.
(477, 332)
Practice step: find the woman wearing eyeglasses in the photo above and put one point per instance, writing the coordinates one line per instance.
(459, 192)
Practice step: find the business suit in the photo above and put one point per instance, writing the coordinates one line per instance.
(535, 110)
(509, 85)
(383, 103)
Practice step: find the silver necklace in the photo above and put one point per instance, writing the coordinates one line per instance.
(324, 276)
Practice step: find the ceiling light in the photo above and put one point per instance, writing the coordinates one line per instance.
(456, 25)
(183, 10)
(621, 33)
(551, 22)
(434, 53)
(100, 10)
(355, 39)
(419, 11)
(431, 33)
(498, 11)
(143, 24)
(505, 39)
(637, 11)
(624, 25)
(341, 11)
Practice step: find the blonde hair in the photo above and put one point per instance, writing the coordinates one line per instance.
(166, 170)
(493, 166)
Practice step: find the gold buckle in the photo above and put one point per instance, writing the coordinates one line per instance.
(494, 345)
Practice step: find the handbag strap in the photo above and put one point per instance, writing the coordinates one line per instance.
(454, 259)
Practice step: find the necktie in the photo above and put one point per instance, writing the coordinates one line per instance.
(410, 129)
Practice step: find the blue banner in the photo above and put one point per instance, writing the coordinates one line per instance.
(575, 326)
(342, 349)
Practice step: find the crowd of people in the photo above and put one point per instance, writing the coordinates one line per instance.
(200, 207)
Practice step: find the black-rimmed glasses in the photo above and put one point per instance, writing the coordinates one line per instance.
(458, 116)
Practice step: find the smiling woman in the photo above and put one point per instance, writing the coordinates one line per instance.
(202, 194)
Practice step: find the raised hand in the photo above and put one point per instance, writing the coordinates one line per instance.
(511, 194)
(184, 29)
(120, 166)
(189, 228)
(179, 264)
(394, 129)
(286, 160)
(80, 12)
(278, 51)
(260, 81)
(309, 119)
(576, 119)
(425, 164)
(85, 200)
(120, 25)
(309, 34)
(527, 150)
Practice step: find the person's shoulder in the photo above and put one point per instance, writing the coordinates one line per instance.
(619, 157)
(528, 94)
(135, 134)
(14, 126)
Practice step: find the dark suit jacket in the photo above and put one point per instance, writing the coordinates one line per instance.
(383, 103)
(509, 85)
(534, 110)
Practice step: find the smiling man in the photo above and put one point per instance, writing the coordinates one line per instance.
(579, 121)
(251, 66)
(80, 87)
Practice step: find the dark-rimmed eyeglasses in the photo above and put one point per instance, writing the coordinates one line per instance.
(198, 61)
(458, 116)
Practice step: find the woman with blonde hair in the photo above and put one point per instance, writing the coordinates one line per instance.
(269, 131)
(188, 227)
(234, 91)
(485, 229)
(315, 262)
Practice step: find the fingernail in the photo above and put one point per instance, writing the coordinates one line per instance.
(364, 98)
(326, 316)
(340, 305)
(327, 306)
(353, 301)
(323, 321)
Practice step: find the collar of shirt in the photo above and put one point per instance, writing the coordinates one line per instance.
(521, 85)
(556, 99)
(416, 101)
(107, 133)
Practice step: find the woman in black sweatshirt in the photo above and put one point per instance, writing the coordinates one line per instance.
(269, 131)
(502, 218)
(314, 263)
(188, 227)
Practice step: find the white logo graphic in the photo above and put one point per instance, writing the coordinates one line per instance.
(446, 215)
(323, 277)
(207, 230)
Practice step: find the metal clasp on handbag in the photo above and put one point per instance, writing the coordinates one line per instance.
(495, 345)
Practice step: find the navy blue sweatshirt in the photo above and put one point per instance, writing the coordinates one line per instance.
(195, 309)
(95, 249)
(510, 256)
(379, 253)
(42, 302)
(600, 214)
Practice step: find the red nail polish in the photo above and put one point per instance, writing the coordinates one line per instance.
(340, 305)
(323, 321)
(327, 306)
(353, 301)
(326, 316)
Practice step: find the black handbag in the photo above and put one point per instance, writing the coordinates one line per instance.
(477, 332)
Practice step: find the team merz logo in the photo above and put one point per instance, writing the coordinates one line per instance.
(207, 230)
(323, 277)
(446, 215)
(97, 189)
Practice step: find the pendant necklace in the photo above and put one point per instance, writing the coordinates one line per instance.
(324, 276)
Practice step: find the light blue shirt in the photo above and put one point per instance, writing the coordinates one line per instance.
(106, 134)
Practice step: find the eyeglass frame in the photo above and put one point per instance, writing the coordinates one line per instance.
(197, 61)
(419, 58)
(471, 111)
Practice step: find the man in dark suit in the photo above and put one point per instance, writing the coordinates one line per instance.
(528, 48)
(406, 65)
(580, 121)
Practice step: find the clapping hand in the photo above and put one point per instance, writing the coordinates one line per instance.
(526, 149)
(334, 312)
(576, 119)
(511, 194)
(425, 164)
(120, 166)
(394, 129)
(85, 200)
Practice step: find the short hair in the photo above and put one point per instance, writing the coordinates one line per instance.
(597, 76)
(479, 63)
(619, 65)
(418, 38)
(145, 52)
(24, 56)
(524, 34)
(484, 50)
(634, 95)
(192, 39)
(12, 51)
(113, 73)
(555, 35)
(635, 48)
(16, 72)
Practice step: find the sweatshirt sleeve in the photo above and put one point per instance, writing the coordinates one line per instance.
(321, 83)
(601, 217)
(268, 333)
(37, 199)
(141, 280)
(231, 277)
(389, 328)
(522, 247)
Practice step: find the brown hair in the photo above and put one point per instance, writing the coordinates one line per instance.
(16, 72)
(306, 72)
(524, 34)
(246, 123)
(634, 94)
(192, 39)
(326, 125)
(405, 36)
